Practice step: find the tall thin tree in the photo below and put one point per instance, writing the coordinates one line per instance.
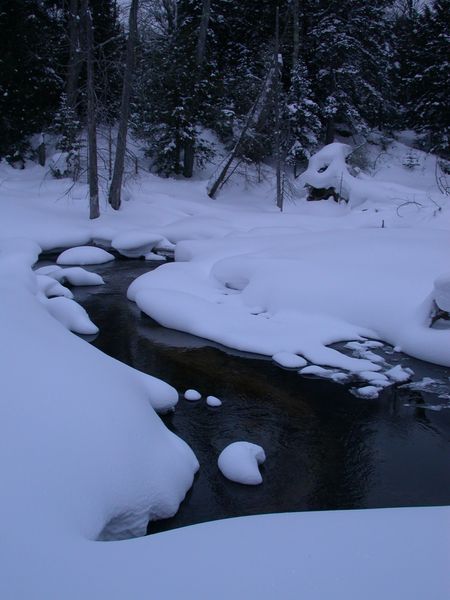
(75, 55)
(94, 209)
(200, 55)
(115, 190)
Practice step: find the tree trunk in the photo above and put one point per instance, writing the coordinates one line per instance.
(295, 33)
(42, 152)
(119, 162)
(75, 55)
(189, 144)
(94, 210)
(329, 133)
(330, 126)
(201, 42)
(189, 157)
(276, 60)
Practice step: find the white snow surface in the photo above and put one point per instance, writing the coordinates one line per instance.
(84, 255)
(316, 288)
(239, 462)
(289, 360)
(81, 448)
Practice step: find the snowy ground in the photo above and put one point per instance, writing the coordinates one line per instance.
(84, 456)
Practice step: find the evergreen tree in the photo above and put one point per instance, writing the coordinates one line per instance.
(349, 61)
(302, 115)
(430, 108)
(29, 84)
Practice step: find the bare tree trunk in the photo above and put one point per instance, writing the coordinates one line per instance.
(201, 42)
(119, 162)
(296, 33)
(276, 59)
(94, 210)
(330, 126)
(329, 132)
(189, 144)
(75, 54)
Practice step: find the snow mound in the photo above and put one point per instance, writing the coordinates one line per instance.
(289, 360)
(102, 234)
(77, 276)
(53, 271)
(328, 169)
(239, 462)
(135, 243)
(84, 255)
(213, 401)
(442, 292)
(71, 315)
(192, 395)
(50, 287)
(162, 396)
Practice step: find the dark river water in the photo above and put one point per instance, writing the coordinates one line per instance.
(325, 448)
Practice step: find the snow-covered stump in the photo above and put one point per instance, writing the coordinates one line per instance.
(327, 175)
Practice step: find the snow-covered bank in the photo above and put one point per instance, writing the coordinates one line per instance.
(82, 448)
(78, 431)
(346, 555)
(84, 456)
(310, 290)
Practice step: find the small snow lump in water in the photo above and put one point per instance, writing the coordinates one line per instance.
(213, 401)
(239, 462)
(192, 395)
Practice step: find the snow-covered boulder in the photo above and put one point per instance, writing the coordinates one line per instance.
(239, 462)
(136, 242)
(102, 234)
(328, 170)
(49, 287)
(442, 292)
(84, 255)
(78, 276)
(71, 315)
(53, 271)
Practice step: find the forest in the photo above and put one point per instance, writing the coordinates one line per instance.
(270, 81)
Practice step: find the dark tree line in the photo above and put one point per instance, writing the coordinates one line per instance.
(180, 67)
